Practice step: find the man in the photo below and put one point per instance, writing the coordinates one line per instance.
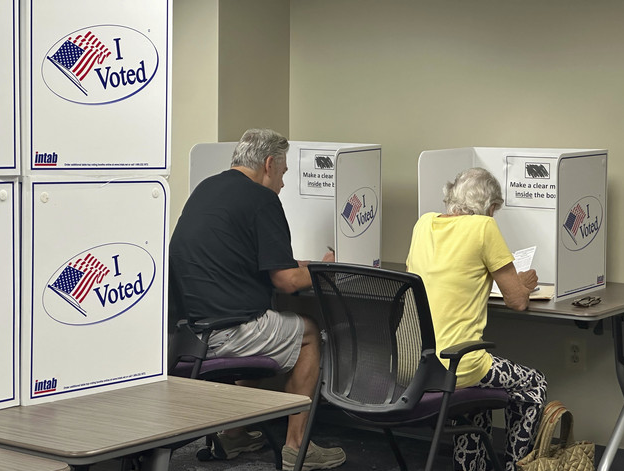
(230, 249)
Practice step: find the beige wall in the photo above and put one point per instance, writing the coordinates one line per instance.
(230, 73)
(421, 74)
(194, 88)
(254, 59)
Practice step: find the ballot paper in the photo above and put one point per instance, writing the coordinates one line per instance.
(523, 259)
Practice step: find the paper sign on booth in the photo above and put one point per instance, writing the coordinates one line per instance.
(316, 172)
(531, 182)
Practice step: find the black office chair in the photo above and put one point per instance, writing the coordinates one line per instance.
(188, 357)
(379, 361)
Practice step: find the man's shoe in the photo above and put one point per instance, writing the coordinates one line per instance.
(316, 458)
(226, 447)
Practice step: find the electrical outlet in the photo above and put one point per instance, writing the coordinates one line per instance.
(575, 352)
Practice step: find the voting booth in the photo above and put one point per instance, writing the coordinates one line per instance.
(331, 196)
(555, 200)
(97, 86)
(9, 292)
(93, 287)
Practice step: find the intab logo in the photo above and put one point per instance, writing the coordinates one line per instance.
(100, 64)
(99, 284)
(45, 386)
(46, 159)
(358, 212)
(582, 223)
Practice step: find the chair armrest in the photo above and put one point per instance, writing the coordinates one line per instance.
(217, 324)
(459, 350)
(455, 352)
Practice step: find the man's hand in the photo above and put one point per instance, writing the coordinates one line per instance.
(329, 256)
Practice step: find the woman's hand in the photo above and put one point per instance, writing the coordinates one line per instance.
(528, 278)
(515, 287)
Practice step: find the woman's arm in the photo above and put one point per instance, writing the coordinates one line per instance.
(514, 286)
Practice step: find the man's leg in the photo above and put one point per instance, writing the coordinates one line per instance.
(294, 341)
(302, 380)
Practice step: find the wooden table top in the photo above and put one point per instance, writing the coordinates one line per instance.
(106, 425)
(14, 461)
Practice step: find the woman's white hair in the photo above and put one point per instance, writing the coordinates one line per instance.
(474, 191)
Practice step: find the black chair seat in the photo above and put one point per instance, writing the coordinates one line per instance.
(252, 367)
(461, 402)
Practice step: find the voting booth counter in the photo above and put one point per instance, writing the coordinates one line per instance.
(85, 150)
(331, 196)
(555, 200)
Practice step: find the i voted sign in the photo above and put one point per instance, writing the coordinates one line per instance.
(100, 64)
(358, 212)
(99, 284)
(583, 222)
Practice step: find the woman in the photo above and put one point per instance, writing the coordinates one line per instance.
(458, 255)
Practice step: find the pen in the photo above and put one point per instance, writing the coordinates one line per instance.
(330, 249)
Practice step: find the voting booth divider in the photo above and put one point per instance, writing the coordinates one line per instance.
(94, 254)
(9, 203)
(96, 94)
(9, 292)
(331, 196)
(84, 156)
(555, 200)
(9, 89)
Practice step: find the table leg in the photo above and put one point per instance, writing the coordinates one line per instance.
(157, 460)
(614, 442)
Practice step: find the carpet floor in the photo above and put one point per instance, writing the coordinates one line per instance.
(366, 450)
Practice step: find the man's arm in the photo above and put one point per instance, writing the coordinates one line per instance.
(515, 287)
(290, 280)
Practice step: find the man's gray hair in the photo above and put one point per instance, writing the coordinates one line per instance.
(474, 191)
(256, 145)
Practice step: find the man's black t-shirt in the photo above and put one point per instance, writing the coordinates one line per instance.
(232, 231)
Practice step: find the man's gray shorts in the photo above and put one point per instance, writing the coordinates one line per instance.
(277, 335)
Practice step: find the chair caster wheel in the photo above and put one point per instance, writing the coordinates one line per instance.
(204, 454)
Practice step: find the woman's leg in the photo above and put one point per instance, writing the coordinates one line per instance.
(527, 396)
(469, 453)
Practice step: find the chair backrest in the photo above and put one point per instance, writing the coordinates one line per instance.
(380, 343)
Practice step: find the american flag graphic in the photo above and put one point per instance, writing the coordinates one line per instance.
(76, 57)
(574, 220)
(351, 209)
(77, 279)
